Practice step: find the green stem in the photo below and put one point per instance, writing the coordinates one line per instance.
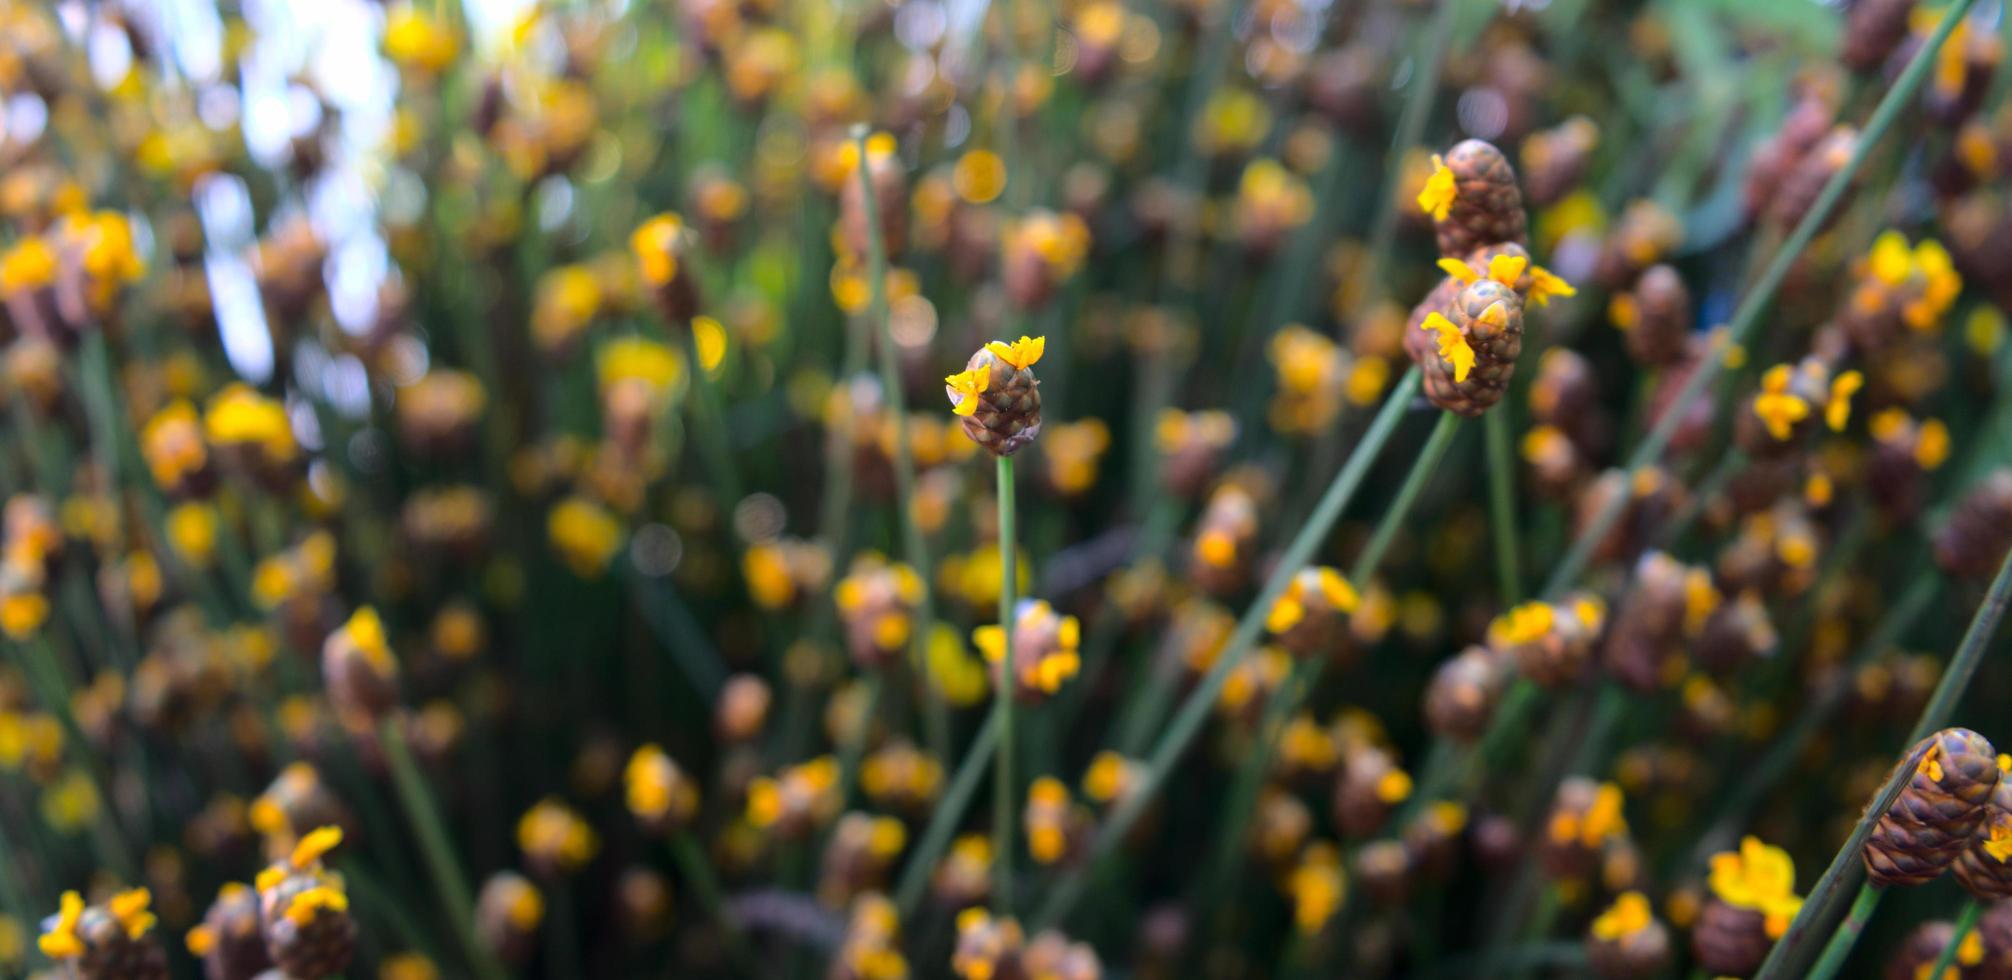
(1003, 792)
(1502, 507)
(434, 843)
(1965, 923)
(1845, 865)
(1290, 696)
(45, 675)
(1969, 654)
(1194, 711)
(1753, 306)
(936, 714)
(1839, 948)
(1785, 750)
(943, 821)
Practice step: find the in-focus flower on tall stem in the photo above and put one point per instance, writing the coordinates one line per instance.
(1985, 866)
(1939, 811)
(997, 397)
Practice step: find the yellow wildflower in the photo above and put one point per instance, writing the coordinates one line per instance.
(1436, 199)
(1453, 348)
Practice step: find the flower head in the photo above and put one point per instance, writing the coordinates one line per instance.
(1759, 877)
(1776, 407)
(1628, 915)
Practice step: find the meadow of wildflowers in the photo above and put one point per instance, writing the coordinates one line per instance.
(1419, 489)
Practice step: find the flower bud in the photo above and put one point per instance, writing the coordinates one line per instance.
(1938, 811)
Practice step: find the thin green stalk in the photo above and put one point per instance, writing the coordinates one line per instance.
(1837, 879)
(1194, 712)
(1839, 948)
(936, 714)
(1845, 866)
(1290, 696)
(1753, 306)
(1969, 654)
(1422, 470)
(698, 872)
(434, 843)
(943, 820)
(1502, 507)
(45, 675)
(1003, 793)
(1785, 750)
(1965, 924)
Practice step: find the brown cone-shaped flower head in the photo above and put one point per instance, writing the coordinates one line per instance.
(1550, 643)
(1973, 544)
(1627, 942)
(1730, 941)
(1310, 617)
(1985, 867)
(1655, 317)
(890, 197)
(663, 247)
(997, 397)
(113, 941)
(1476, 343)
(304, 911)
(1045, 649)
(358, 668)
(231, 942)
(1955, 771)
(1473, 199)
(1460, 701)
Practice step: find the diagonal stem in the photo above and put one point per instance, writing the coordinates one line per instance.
(1838, 949)
(1965, 924)
(915, 549)
(1502, 507)
(434, 844)
(1003, 792)
(1747, 318)
(943, 821)
(1286, 701)
(1846, 866)
(1194, 711)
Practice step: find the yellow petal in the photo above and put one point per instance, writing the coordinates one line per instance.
(1459, 270)
(1436, 199)
(1506, 269)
